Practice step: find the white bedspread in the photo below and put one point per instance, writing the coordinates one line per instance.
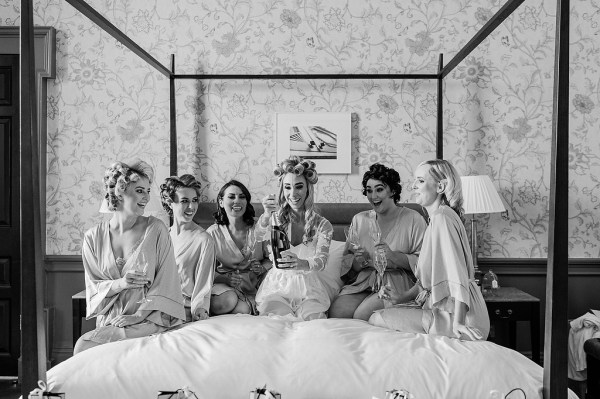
(227, 356)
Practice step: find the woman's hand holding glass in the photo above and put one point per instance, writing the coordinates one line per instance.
(269, 204)
(290, 260)
(234, 279)
(379, 256)
(132, 279)
(142, 267)
(361, 257)
(250, 262)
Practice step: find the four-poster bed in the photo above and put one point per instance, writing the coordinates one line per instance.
(554, 381)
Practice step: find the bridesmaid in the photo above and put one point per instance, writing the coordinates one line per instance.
(297, 292)
(239, 268)
(131, 282)
(401, 234)
(449, 302)
(194, 248)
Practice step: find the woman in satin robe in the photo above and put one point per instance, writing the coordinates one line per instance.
(445, 300)
(132, 286)
(401, 232)
(239, 254)
(296, 291)
(194, 247)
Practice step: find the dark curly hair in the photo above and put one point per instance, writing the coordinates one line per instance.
(119, 175)
(387, 176)
(221, 216)
(174, 183)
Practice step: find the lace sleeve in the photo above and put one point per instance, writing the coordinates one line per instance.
(262, 228)
(322, 241)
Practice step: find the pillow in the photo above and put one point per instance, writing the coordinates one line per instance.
(330, 276)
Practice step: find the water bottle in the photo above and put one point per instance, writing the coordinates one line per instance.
(490, 282)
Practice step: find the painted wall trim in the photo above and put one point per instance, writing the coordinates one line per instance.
(501, 266)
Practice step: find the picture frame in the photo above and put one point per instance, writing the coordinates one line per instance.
(322, 137)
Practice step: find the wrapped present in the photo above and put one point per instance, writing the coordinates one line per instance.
(42, 392)
(264, 393)
(398, 394)
(183, 393)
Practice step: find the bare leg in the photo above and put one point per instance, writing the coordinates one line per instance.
(344, 306)
(241, 307)
(223, 303)
(368, 306)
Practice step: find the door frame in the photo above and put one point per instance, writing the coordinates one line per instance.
(45, 68)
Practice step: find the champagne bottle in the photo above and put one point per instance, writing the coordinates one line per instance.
(279, 240)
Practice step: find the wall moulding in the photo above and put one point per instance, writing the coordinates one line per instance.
(502, 266)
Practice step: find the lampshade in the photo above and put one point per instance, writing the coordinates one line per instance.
(480, 195)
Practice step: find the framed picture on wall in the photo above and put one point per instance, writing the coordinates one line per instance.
(322, 137)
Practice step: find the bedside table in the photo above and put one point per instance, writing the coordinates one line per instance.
(509, 304)
(78, 313)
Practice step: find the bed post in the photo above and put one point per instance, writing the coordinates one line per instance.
(33, 346)
(439, 141)
(173, 119)
(556, 328)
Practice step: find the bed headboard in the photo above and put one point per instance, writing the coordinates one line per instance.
(340, 215)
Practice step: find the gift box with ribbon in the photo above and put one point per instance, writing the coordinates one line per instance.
(264, 393)
(42, 392)
(398, 394)
(182, 393)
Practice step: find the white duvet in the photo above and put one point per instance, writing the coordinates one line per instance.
(228, 356)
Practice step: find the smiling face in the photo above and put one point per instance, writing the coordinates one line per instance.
(295, 191)
(379, 195)
(136, 196)
(234, 202)
(185, 204)
(426, 189)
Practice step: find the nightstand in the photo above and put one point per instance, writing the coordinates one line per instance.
(509, 304)
(78, 304)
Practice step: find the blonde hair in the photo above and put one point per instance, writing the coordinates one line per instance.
(443, 171)
(299, 167)
(119, 175)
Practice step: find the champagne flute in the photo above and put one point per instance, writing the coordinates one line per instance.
(142, 266)
(379, 258)
(351, 238)
(249, 245)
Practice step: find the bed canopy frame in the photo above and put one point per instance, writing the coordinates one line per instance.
(556, 326)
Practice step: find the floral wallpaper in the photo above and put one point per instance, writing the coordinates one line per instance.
(106, 104)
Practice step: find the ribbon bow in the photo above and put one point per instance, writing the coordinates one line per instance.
(43, 391)
(265, 392)
(40, 391)
(401, 394)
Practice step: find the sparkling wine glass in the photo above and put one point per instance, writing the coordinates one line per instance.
(141, 264)
(351, 238)
(379, 258)
(249, 245)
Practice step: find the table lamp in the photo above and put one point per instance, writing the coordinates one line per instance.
(480, 196)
